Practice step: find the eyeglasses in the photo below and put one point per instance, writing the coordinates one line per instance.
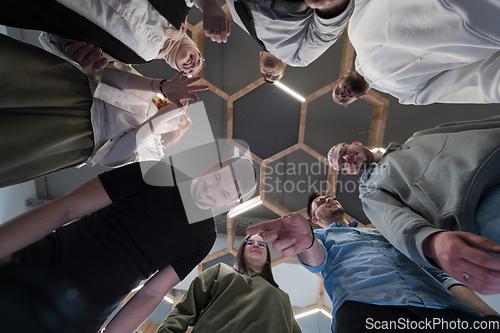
(321, 202)
(272, 79)
(251, 242)
(342, 101)
(343, 151)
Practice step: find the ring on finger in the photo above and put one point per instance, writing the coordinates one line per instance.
(466, 277)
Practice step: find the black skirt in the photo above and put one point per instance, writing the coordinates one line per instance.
(44, 113)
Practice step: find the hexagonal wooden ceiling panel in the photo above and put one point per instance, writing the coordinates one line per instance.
(281, 140)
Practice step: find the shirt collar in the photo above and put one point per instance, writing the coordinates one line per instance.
(353, 224)
(366, 175)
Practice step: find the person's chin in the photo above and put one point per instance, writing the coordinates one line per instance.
(202, 205)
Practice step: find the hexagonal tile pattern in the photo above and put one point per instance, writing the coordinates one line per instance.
(273, 114)
(252, 107)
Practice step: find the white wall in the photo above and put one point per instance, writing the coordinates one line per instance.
(13, 199)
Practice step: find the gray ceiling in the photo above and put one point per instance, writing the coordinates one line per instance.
(267, 119)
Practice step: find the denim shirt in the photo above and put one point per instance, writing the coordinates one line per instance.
(361, 265)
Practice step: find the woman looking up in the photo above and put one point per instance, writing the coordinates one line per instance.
(241, 299)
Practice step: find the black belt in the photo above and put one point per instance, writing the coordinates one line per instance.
(287, 6)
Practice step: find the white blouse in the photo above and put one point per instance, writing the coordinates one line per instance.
(136, 23)
(115, 112)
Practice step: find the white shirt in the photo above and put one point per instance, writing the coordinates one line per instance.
(136, 23)
(115, 112)
(296, 38)
(427, 51)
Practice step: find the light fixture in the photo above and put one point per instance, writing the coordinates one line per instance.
(254, 202)
(326, 313)
(305, 314)
(289, 91)
(166, 298)
(137, 288)
(378, 150)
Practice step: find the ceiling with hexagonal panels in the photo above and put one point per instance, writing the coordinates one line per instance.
(289, 140)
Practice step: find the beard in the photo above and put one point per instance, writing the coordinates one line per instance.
(332, 215)
(368, 155)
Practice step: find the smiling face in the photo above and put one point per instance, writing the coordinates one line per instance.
(353, 158)
(215, 188)
(255, 255)
(188, 60)
(326, 210)
(272, 68)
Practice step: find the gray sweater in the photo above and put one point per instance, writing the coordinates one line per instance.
(432, 182)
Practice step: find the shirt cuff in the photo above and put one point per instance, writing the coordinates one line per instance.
(191, 3)
(318, 268)
(421, 258)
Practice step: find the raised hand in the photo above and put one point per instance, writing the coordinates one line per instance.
(291, 233)
(178, 92)
(86, 55)
(459, 254)
(216, 24)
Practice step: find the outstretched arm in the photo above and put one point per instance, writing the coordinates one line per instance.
(459, 254)
(140, 307)
(415, 237)
(216, 24)
(35, 224)
(468, 296)
(460, 291)
(175, 90)
(291, 235)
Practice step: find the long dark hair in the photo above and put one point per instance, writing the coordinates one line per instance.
(241, 267)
